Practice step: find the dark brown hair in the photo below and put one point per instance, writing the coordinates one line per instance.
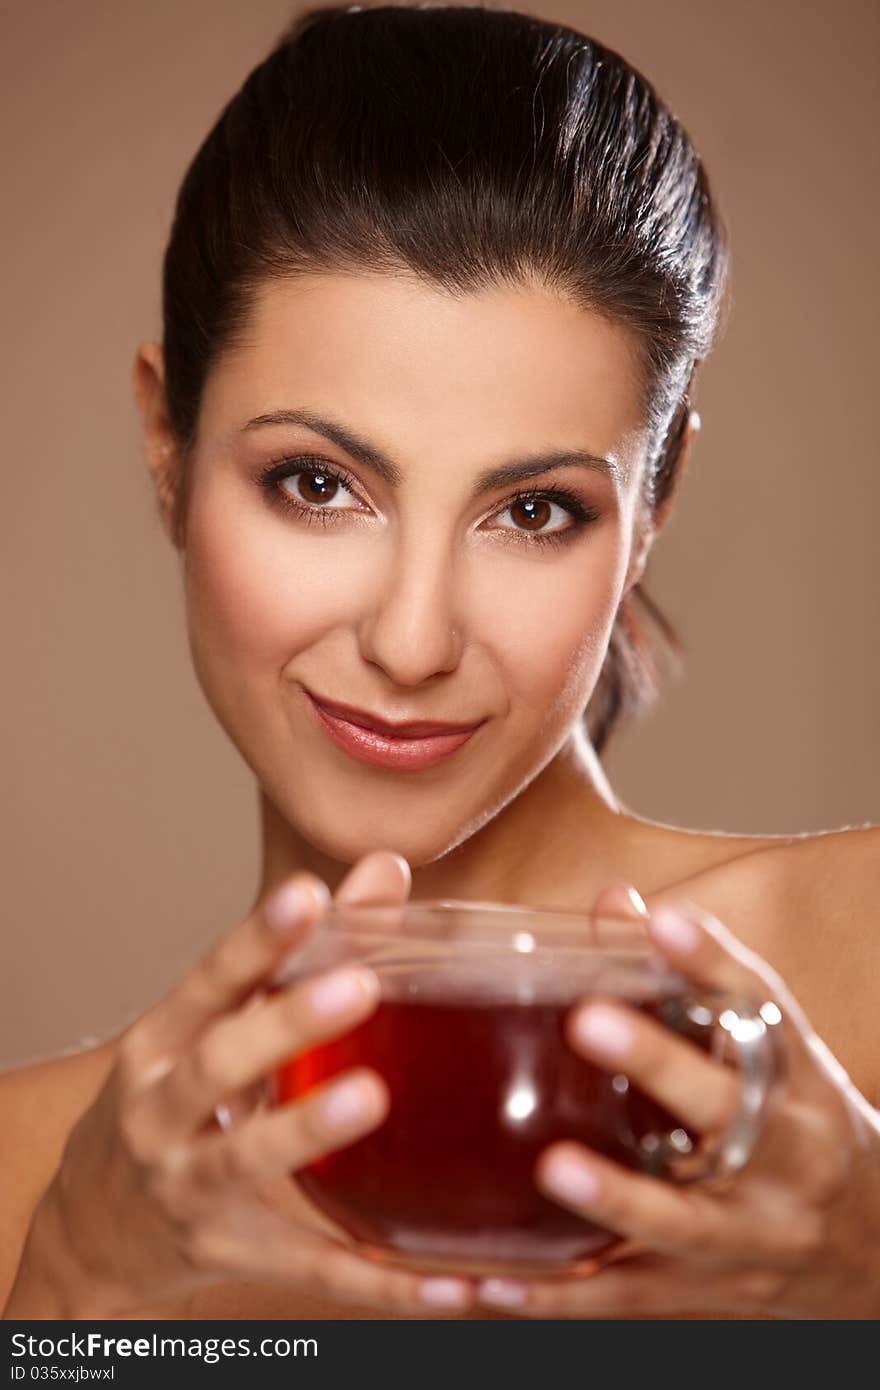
(468, 146)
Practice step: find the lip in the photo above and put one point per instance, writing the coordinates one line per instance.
(408, 753)
(417, 728)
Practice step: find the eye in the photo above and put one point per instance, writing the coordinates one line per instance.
(314, 484)
(533, 512)
(310, 488)
(317, 492)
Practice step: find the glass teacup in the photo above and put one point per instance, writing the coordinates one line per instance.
(469, 1038)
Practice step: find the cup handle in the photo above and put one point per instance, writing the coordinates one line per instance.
(750, 1034)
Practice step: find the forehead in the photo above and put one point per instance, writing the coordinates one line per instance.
(511, 364)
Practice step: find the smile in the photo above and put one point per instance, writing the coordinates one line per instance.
(404, 753)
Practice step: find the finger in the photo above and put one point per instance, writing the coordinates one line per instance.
(619, 900)
(230, 1112)
(275, 1144)
(704, 950)
(234, 1108)
(234, 966)
(703, 1093)
(241, 1049)
(260, 1246)
(652, 1211)
(336, 1272)
(773, 1219)
(382, 876)
(630, 1288)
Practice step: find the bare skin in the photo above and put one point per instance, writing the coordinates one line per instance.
(419, 599)
(780, 898)
(780, 895)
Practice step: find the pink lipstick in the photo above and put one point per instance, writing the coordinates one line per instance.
(404, 752)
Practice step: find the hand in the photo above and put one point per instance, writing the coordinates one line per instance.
(795, 1233)
(152, 1201)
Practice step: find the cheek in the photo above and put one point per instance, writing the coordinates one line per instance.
(551, 625)
(255, 597)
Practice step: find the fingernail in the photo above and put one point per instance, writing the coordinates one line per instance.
(636, 900)
(336, 993)
(572, 1181)
(502, 1292)
(603, 1030)
(444, 1293)
(404, 864)
(286, 905)
(674, 929)
(347, 1104)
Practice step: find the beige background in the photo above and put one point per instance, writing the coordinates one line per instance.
(129, 825)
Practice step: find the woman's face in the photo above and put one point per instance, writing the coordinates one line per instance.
(415, 590)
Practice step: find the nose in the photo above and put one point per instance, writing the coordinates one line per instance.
(410, 625)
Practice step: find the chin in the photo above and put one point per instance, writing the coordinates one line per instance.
(346, 826)
(348, 844)
(347, 822)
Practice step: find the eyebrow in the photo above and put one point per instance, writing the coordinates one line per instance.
(513, 471)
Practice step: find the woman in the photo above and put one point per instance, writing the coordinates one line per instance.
(436, 289)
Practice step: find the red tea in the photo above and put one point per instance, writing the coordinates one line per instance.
(477, 1090)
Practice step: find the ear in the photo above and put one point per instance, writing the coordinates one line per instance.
(649, 528)
(161, 446)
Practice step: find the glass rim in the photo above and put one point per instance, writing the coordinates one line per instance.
(493, 924)
(421, 936)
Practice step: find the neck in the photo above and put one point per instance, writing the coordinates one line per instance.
(563, 836)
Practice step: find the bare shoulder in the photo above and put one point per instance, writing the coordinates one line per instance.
(809, 906)
(39, 1104)
(45, 1095)
(784, 887)
(802, 869)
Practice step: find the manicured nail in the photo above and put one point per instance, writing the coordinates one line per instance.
(675, 929)
(603, 1030)
(636, 900)
(223, 1116)
(503, 1293)
(571, 1180)
(336, 993)
(286, 905)
(444, 1293)
(347, 1104)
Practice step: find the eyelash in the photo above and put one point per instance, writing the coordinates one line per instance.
(281, 469)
